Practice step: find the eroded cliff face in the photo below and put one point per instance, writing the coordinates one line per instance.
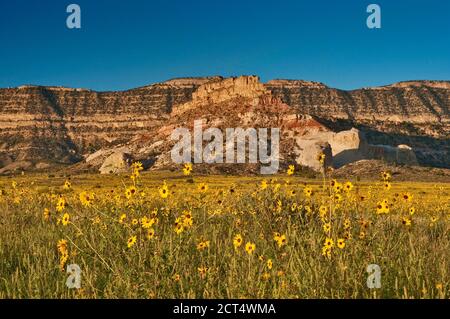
(416, 107)
(59, 125)
(232, 103)
(415, 113)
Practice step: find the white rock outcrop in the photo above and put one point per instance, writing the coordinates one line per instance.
(117, 162)
(347, 147)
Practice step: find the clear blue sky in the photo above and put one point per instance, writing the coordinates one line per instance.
(131, 43)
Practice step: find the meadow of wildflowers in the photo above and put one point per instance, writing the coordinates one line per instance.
(181, 235)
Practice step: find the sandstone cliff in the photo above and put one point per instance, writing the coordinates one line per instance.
(54, 124)
(416, 107)
(415, 113)
(40, 125)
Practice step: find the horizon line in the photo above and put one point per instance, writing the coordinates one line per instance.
(218, 76)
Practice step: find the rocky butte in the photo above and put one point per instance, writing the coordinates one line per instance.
(405, 123)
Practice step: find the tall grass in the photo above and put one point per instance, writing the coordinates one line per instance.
(414, 260)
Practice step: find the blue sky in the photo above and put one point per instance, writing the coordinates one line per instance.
(126, 44)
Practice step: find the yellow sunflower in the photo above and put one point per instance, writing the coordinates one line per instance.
(250, 248)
